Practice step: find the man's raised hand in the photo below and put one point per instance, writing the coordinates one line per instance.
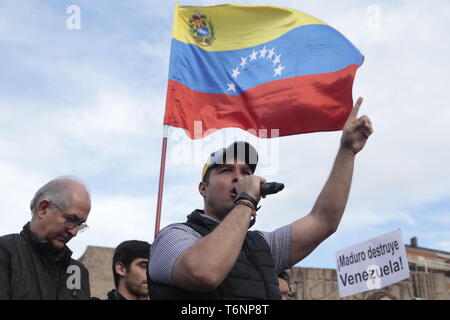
(356, 130)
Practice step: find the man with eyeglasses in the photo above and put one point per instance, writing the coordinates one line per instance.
(36, 264)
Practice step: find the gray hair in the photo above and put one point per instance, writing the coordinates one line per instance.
(57, 190)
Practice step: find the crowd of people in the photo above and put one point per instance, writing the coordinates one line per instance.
(212, 255)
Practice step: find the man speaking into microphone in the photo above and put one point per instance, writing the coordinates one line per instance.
(214, 255)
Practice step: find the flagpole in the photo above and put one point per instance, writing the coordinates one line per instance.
(161, 179)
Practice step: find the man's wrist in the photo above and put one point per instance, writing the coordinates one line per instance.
(248, 197)
(346, 151)
(248, 204)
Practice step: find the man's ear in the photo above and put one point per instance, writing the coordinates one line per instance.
(202, 188)
(120, 269)
(43, 205)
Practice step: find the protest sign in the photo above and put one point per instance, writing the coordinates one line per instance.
(372, 264)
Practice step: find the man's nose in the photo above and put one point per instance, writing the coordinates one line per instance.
(237, 176)
(73, 231)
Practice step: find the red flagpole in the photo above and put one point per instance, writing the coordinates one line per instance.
(161, 180)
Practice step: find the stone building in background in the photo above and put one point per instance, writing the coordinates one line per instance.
(98, 260)
(428, 261)
(429, 278)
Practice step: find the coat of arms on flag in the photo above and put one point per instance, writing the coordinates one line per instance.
(202, 29)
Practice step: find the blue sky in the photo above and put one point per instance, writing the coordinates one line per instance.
(90, 102)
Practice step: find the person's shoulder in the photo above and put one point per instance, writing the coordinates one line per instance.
(259, 232)
(10, 245)
(15, 239)
(174, 227)
(9, 239)
(174, 232)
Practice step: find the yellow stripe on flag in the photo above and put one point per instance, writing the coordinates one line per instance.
(237, 26)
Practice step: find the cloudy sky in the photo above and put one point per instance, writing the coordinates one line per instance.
(88, 100)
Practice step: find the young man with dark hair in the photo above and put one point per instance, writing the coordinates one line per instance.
(130, 271)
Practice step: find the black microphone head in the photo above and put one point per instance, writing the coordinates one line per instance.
(271, 188)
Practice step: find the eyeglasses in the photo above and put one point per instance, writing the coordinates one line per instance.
(72, 221)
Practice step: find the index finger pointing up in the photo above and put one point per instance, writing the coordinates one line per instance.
(355, 109)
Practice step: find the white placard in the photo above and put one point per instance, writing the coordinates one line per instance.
(372, 264)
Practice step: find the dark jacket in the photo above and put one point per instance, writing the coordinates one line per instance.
(115, 295)
(252, 277)
(32, 270)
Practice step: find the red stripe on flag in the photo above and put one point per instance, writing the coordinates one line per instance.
(296, 105)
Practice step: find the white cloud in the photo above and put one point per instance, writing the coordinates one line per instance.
(17, 188)
(112, 114)
(114, 219)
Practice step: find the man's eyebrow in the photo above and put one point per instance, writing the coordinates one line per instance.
(223, 166)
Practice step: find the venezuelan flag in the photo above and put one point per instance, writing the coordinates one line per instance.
(258, 67)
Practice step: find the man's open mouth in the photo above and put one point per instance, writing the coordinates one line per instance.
(233, 193)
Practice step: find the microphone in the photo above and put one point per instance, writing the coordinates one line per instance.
(271, 188)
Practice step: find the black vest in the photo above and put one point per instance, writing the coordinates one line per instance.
(252, 277)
